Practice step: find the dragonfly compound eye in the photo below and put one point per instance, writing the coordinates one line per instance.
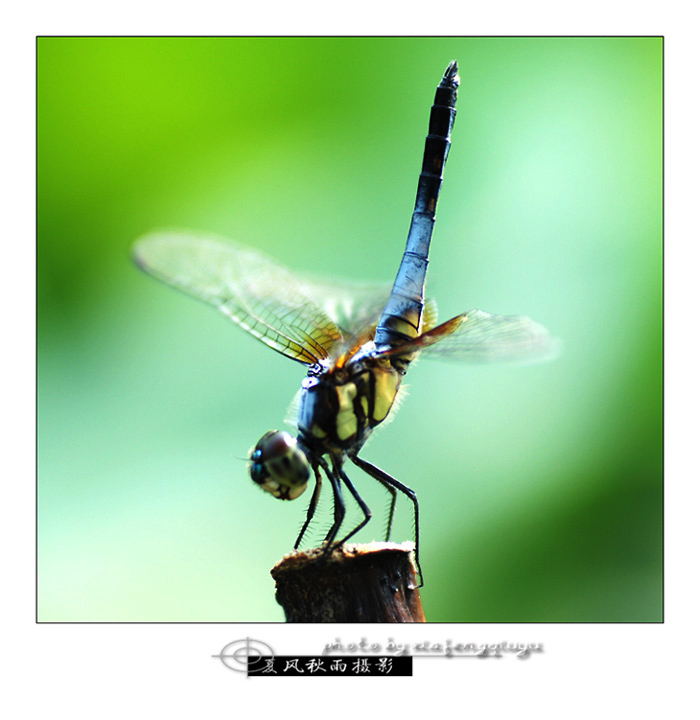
(279, 465)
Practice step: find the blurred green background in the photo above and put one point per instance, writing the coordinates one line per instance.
(540, 486)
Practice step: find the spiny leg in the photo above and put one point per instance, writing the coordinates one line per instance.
(392, 507)
(388, 486)
(338, 504)
(386, 480)
(312, 507)
(363, 505)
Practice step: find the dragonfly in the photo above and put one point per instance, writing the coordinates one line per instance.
(356, 341)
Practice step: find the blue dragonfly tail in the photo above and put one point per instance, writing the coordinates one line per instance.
(401, 318)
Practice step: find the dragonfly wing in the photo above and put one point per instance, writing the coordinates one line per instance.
(353, 307)
(356, 309)
(478, 336)
(430, 314)
(251, 289)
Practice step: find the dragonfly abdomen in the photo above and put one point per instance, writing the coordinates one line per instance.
(402, 316)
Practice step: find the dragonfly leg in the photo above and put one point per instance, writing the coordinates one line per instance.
(392, 507)
(391, 489)
(338, 503)
(312, 507)
(388, 481)
(363, 505)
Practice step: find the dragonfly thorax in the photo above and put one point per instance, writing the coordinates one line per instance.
(340, 407)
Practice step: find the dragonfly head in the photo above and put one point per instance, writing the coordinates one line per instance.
(279, 465)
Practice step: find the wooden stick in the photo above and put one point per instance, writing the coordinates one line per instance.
(374, 582)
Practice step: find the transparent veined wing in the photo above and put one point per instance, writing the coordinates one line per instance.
(478, 336)
(251, 289)
(354, 307)
(301, 316)
(357, 308)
